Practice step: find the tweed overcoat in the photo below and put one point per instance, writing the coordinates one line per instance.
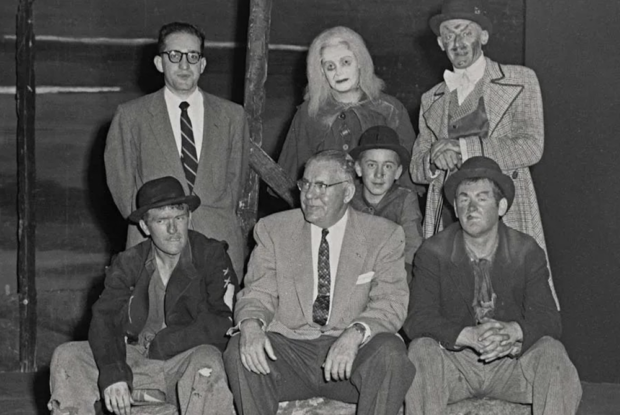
(140, 147)
(370, 284)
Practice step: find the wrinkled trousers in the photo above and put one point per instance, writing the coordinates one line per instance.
(194, 381)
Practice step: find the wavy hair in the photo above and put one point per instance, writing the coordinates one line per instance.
(318, 89)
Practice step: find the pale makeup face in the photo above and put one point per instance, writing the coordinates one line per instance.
(379, 169)
(477, 209)
(342, 72)
(324, 210)
(167, 228)
(181, 78)
(462, 40)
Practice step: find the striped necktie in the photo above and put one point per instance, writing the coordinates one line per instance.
(189, 157)
(320, 308)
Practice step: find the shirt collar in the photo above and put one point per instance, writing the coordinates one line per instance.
(192, 100)
(475, 71)
(336, 227)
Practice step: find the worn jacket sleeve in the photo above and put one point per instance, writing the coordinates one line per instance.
(120, 158)
(213, 315)
(238, 164)
(425, 318)
(107, 328)
(259, 297)
(519, 138)
(420, 155)
(387, 301)
(540, 315)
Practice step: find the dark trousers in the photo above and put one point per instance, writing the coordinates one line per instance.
(379, 381)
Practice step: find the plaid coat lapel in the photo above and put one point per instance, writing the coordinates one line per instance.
(498, 94)
(436, 116)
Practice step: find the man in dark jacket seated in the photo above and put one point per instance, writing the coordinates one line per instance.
(160, 325)
(481, 315)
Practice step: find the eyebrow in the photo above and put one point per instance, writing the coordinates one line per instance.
(458, 28)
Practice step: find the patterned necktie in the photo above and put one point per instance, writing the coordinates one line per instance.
(189, 157)
(320, 309)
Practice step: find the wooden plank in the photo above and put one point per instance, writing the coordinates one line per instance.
(270, 172)
(26, 187)
(254, 100)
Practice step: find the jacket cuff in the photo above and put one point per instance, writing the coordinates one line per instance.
(113, 373)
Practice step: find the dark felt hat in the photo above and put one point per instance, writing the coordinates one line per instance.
(381, 137)
(461, 9)
(161, 192)
(476, 168)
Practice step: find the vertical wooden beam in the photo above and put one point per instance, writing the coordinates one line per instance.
(254, 99)
(26, 185)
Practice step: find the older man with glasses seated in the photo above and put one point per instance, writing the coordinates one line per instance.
(324, 296)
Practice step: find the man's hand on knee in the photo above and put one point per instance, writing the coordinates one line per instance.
(339, 361)
(118, 399)
(254, 347)
(503, 342)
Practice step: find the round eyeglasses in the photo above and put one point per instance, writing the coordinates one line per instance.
(305, 186)
(175, 56)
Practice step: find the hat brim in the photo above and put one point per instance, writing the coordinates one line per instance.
(481, 19)
(192, 201)
(503, 181)
(403, 154)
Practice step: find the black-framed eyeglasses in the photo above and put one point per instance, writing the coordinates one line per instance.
(175, 56)
(305, 186)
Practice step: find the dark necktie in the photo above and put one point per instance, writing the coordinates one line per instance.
(320, 309)
(189, 157)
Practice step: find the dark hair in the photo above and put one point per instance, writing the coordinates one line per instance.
(498, 194)
(342, 159)
(178, 27)
(180, 206)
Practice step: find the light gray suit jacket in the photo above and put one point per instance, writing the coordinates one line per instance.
(370, 284)
(140, 147)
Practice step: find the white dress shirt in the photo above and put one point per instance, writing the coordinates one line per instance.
(464, 80)
(196, 112)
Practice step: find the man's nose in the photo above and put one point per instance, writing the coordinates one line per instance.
(172, 227)
(472, 206)
(184, 63)
(380, 172)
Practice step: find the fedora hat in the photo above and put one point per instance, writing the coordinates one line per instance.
(480, 168)
(461, 9)
(381, 137)
(164, 191)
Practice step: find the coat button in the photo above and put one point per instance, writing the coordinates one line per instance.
(515, 174)
(345, 147)
(343, 115)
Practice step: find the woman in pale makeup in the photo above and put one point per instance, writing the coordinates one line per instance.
(343, 98)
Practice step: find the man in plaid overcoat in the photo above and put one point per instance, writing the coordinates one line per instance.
(483, 108)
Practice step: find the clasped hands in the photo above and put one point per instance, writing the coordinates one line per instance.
(255, 347)
(492, 339)
(445, 154)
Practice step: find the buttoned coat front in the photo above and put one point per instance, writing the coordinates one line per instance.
(370, 284)
(141, 147)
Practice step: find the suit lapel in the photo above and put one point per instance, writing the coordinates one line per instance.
(498, 95)
(182, 276)
(302, 269)
(461, 273)
(350, 263)
(161, 131)
(436, 116)
(210, 133)
(502, 269)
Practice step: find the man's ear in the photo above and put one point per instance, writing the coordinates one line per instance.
(358, 168)
(203, 64)
(144, 228)
(159, 64)
(349, 191)
(399, 172)
(502, 207)
(484, 37)
(440, 43)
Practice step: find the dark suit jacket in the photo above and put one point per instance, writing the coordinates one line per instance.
(370, 284)
(195, 309)
(443, 288)
(140, 147)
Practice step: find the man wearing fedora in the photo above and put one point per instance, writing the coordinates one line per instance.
(160, 324)
(481, 316)
(482, 108)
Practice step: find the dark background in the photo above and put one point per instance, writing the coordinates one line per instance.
(78, 226)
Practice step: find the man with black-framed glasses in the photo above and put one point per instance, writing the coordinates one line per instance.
(324, 296)
(184, 132)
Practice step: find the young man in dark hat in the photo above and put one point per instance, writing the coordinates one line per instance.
(379, 162)
(481, 314)
(482, 108)
(160, 325)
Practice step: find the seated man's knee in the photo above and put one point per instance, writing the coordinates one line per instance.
(207, 355)
(422, 348)
(68, 353)
(232, 354)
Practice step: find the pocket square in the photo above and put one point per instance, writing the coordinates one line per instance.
(365, 278)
